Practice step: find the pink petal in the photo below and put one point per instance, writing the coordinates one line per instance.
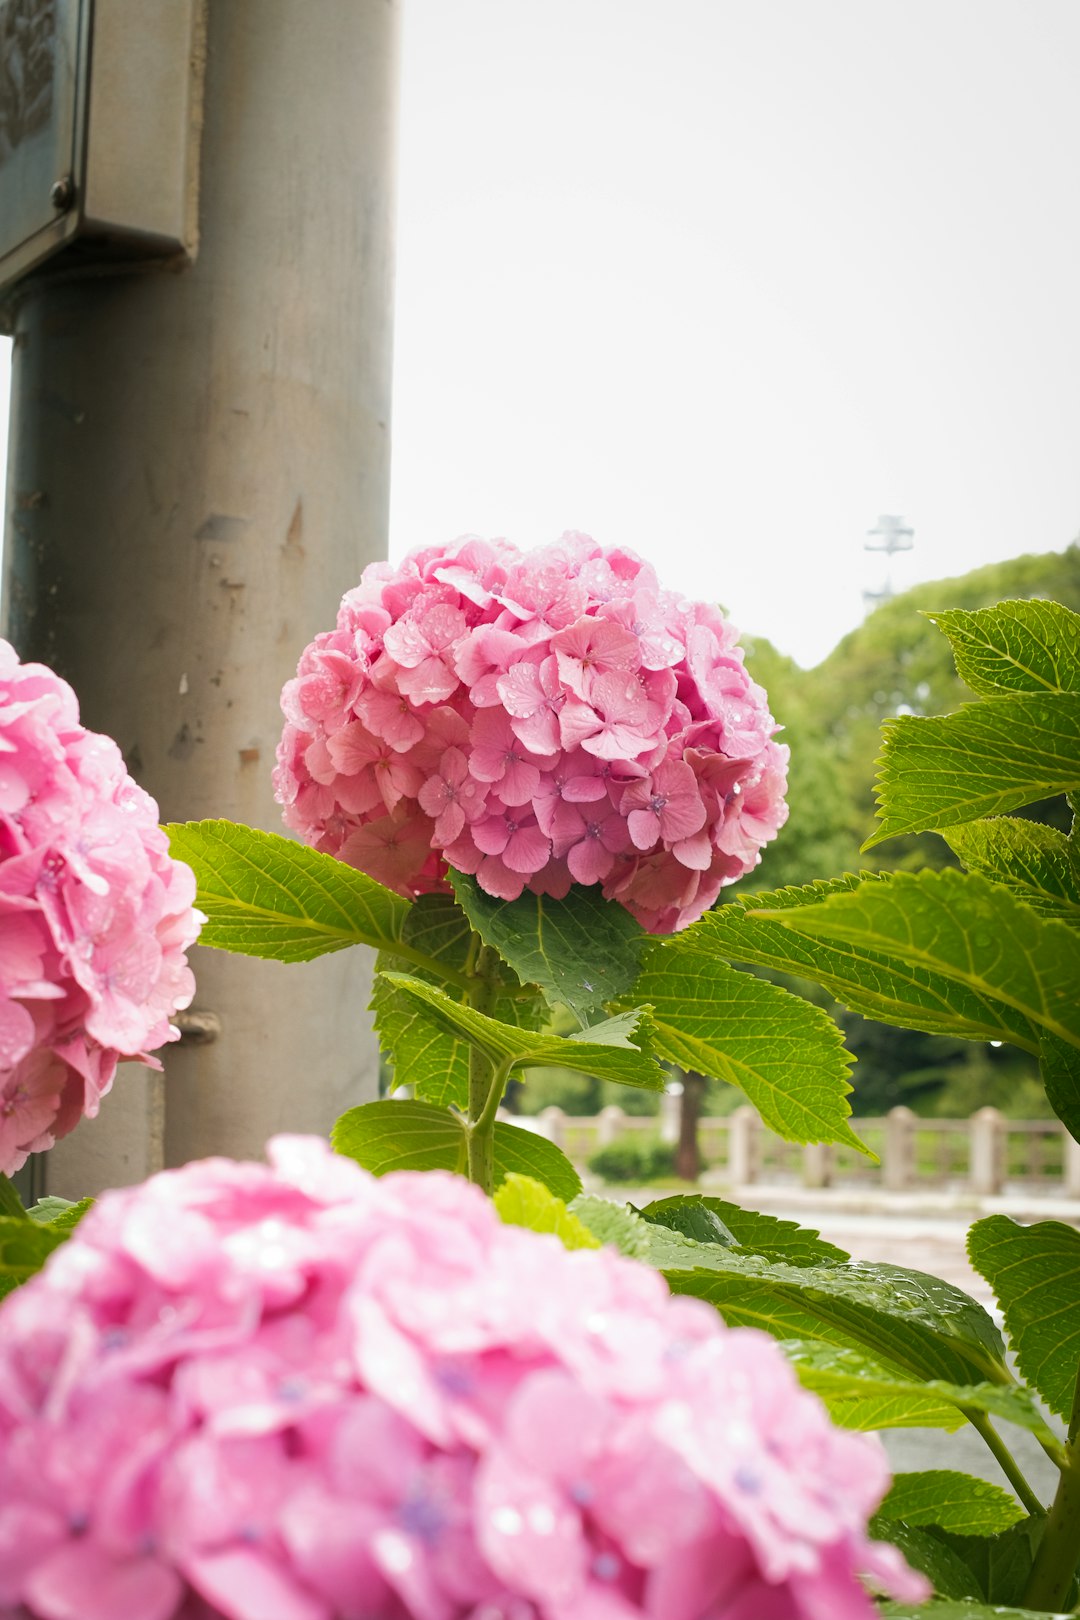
(526, 850)
(82, 1582)
(246, 1585)
(589, 861)
(695, 851)
(644, 826)
(496, 879)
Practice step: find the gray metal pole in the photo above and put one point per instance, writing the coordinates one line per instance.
(199, 467)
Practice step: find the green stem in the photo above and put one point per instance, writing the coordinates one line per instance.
(444, 974)
(10, 1202)
(1006, 1461)
(483, 1076)
(1059, 1551)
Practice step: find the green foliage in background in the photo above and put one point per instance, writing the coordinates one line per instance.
(898, 662)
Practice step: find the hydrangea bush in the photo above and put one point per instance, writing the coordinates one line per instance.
(538, 719)
(301, 1393)
(95, 915)
(298, 1393)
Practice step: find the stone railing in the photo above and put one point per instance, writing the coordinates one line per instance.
(983, 1155)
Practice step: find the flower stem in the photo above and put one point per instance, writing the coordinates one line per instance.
(1006, 1461)
(10, 1202)
(484, 1079)
(1059, 1551)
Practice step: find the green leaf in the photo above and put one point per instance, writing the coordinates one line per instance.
(521, 1201)
(1001, 1564)
(957, 1502)
(59, 1214)
(994, 1568)
(389, 1135)
(430, 1059)
(914, 1325)
(523, 1153)
(961, 927)
(862, 1394)
(606, 1050)
(787, 1056)
(947, 1572)
(1035, 1273)
(24, 1248)
(1016, 646)
(1037, 863)
(714, 1220)
(582, 951)
(1060, 1065)
(962, 1610)
(871, 982)
(269, 896)
(614, 1224)
(982, 760)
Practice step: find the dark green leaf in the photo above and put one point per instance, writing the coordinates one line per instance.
(1001, 1564)
(1035, 1273)
(269, 896)
(521, 1201)
(59, 1214)
(1038, 863)
(787, 1056)
(609, 1050)
(961, 927)
(1019, 646)
(982, 760)
(433, 1060)
(714, 1220)
(862, 1394)
(912, 1324)
(582, 951)
(871, 982)
(1060, 1065)
(24, 1248)
(519, 1152)
(949, 1575)
(389, 1135)
(425, 1057)
(957, 1502)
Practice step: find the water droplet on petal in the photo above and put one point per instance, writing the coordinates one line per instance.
(507, 1521)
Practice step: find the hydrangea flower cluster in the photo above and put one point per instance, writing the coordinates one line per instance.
(295, 1391)
(95, 915)
(538, 719)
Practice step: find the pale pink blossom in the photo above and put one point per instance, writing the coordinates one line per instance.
(532, 694)
(590, 847)
(594, 646)
(561, 678)
(95, 916)
(664, 807)
(422, 645)
(513, 833)
(498, 756)
(452, 797)
(243, 1391)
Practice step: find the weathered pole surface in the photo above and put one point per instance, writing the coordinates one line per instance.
(199, 467)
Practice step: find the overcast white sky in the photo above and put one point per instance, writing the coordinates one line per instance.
(725, 279)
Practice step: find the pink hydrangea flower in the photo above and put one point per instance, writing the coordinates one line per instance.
(243, 1391)
(573, 679)
(95, 916)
